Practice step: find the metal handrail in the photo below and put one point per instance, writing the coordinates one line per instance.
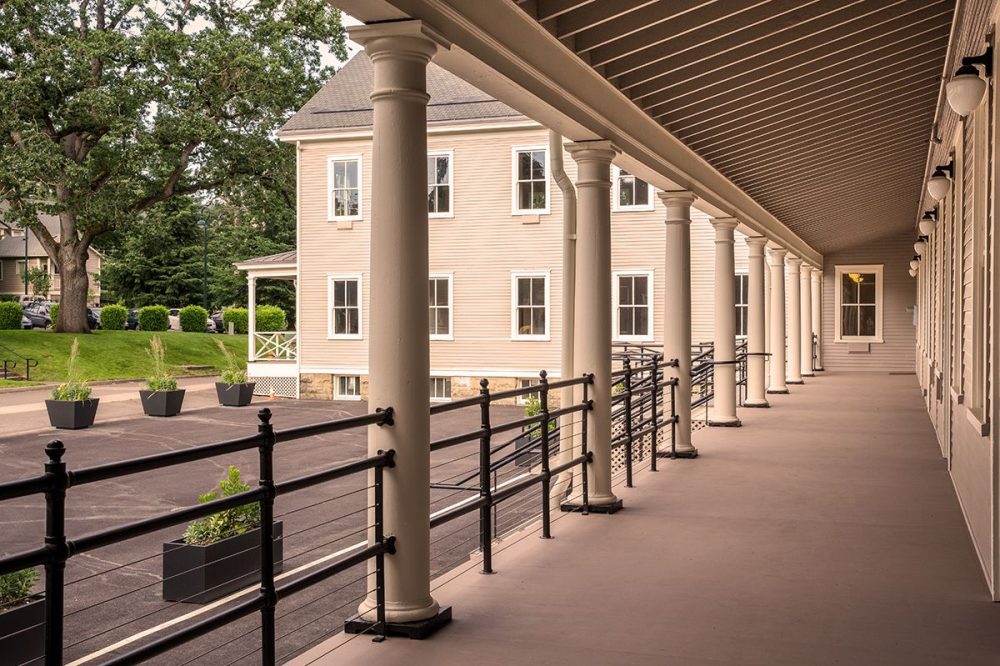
(10, 364)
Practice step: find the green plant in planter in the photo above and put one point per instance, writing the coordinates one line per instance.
(533, 407)
(73, 388)
(15, 587)
(235, 372)
(159, 380)
(228, 523)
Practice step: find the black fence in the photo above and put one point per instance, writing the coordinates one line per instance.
(16, 366)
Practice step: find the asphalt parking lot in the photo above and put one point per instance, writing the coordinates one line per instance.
(114, 593)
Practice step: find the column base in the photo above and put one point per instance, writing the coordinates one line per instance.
(687, 455)
(764, 404)
(614, 507)
(417, 630)
(808, 374)
(818, 369)
(777, 391)
(794, 381)
(728, 423)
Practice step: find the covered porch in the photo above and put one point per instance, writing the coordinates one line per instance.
(830, 535)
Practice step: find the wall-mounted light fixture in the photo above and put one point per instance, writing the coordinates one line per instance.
(966, 89)
(920, 246)
(926, 224)
(939, 183)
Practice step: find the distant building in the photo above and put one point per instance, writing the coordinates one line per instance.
(12, 261)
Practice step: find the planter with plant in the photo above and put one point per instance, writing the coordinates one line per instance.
(234, 390)
(218, 554)
(161, 396)
(71, 407)
(531, 456)
(22, 618)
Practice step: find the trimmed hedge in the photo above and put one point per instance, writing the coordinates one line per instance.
(10, 316)
(194, 319)
(238, 316)
(270, 318)
(54, 314)
(154, 318)
(113, 317)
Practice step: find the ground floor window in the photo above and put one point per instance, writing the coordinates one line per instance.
(525, 398)
(859, 303)
(348, 387)
(440, 388)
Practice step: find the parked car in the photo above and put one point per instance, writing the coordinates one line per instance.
(94, 318)
(216, 318)
(26, 323)
(37, 313)
(132, 321)
(24, 299)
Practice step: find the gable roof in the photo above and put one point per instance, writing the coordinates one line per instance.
(345, 103)
(13, 246)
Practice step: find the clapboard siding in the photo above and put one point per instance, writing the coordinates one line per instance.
(895, 354)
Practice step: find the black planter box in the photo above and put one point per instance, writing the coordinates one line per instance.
(22, 632)
(199, 574)
(72, 414)
(162, 403)
(234, 395)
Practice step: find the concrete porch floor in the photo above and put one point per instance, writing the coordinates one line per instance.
(825, 531)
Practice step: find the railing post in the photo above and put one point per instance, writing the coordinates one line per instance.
(627, 365)
(266, 451)
(378, 490)
(485, 486)
(55, 543)
(584, 429)
(673, 419)
(654, 395)
(543, 383)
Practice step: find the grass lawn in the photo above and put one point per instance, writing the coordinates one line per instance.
(12, 383)
(118, 354)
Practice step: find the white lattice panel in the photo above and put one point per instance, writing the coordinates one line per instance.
(282, 387)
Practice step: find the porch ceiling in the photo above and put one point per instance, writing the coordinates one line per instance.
(820, 110)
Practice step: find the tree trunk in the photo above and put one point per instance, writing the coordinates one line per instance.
(73, 289)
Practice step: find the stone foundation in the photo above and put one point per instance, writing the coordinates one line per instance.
(316, 386)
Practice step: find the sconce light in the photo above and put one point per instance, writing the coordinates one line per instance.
(966, 89)
(939, 183)
(912, 273)
(915, 264)
(926, 224)
(920, 246)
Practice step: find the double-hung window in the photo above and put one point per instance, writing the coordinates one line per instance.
(631, 193)
(859, 303)
(344, 297)
(525, 398)
(348, 387)
(743, 303)
(531, 181)
(633, 305)
(344, 188)
(440, 186)
(440, 389)
(439, 299)
(530, 306)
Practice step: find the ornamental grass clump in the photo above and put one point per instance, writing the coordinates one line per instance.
(73, 388)
(228, 523)
(159, 380)
(235, 372)
(15, 587)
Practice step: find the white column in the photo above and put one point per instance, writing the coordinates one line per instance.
(805, 319)
(592, 322)
(677, 312)
(398, 349)
(776, 260)
(756, 382)
(724, 404)
(816, 285)
(251, 317)
(793, 331)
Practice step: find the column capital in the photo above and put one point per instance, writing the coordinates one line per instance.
(817, 273)
(776, 256)
(725, 222)
(593, 151)
(806, 270)
(793, 262)
(414, 38)
(756, 245)
(678, 203)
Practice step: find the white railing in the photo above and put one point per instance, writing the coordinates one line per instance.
(275, 346)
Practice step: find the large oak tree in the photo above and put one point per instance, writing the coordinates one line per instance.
(110, 108)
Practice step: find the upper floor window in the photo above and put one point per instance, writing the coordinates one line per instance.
(742, 303)
(531, 180)
(859, 303)
(344, 187)
(631, 193)
(633, 305)
(440, 195)
(345, 306)
(530, 304)
(439, 297)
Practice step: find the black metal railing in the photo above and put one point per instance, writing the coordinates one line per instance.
(638, 410)
(58, 548)
(10, 365)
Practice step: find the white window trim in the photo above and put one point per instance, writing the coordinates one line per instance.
(616, 199)
(615, 331)
(337, 395)
(514, 275)
(840, 270)
(450, 388)
(450, 154)
(450, 277)
(514, 150)
(329, 307)
(330, 217)
(522, 399)
(744, 271)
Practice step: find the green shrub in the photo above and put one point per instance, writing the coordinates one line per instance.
(270, 318)
(239, 318)
(533, 407)
(154, 318)
(54, 313)
(234, 372)
(159, 380)
(113, 317)
(228, 523)
(194, 319)
(16, 586)
(10, 316)
(74, 388)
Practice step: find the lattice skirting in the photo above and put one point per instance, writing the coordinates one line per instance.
(282, 387)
